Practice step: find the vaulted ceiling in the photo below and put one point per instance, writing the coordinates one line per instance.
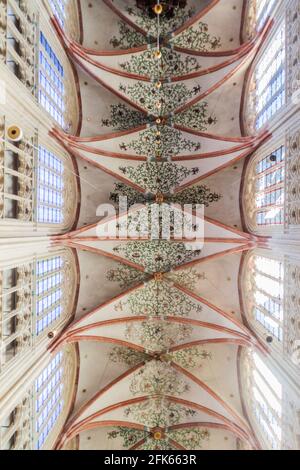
(158, 324)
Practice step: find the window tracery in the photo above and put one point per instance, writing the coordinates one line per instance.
(37, 186)
(264, 291)
(257, 12)
(35, 297)
(265, 394)
(264, 191)
(38, 62)
(51, 81)
(59, 9)
(17, 39)
(34, 422)
(271, 301)
(267, 85)
(68, 16)
(271, 405)
(16, 427)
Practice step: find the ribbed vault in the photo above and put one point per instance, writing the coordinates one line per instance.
(162, 341)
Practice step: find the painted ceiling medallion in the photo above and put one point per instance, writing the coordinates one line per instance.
(158, 177)
(170, 96)
(168, 143)
(157, 436)
(159, 221)
(194, 195)
(172, 64)
(124, 118)
(157, 378)
(127, 356)
(125, 276)
(159, 439)
(158, 412)
(191, 358)
(157, 335)
(196, 117)
(156, 255)
(159, 299)
(198, 39)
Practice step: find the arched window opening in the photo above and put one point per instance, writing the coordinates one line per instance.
(35, 297)
(51, 82)
(263, 396)
(266, 93)
(270, 172)
(50, 188)
(269, 77)
(267, 401)
(31, 51)
(270, 296)
(68, 15)
(267, 294)
(256, 15)
(263, 10)
(18, 19)
(264, 295)
(48, 399)
(49, 289)
(35, 422)
(264, 191)
(59, 9)
(39, 186)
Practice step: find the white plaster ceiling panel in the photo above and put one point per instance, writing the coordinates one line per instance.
(208, 166)
(226, 183)
(96, 106)
(95, 288)
(218, 282)
(227, 12)
(214, 372)
(95, 186)
(97, 370)
(94, 13)
(108, 164)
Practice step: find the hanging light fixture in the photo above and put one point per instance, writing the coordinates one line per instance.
(166, 8)
(158, 9)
